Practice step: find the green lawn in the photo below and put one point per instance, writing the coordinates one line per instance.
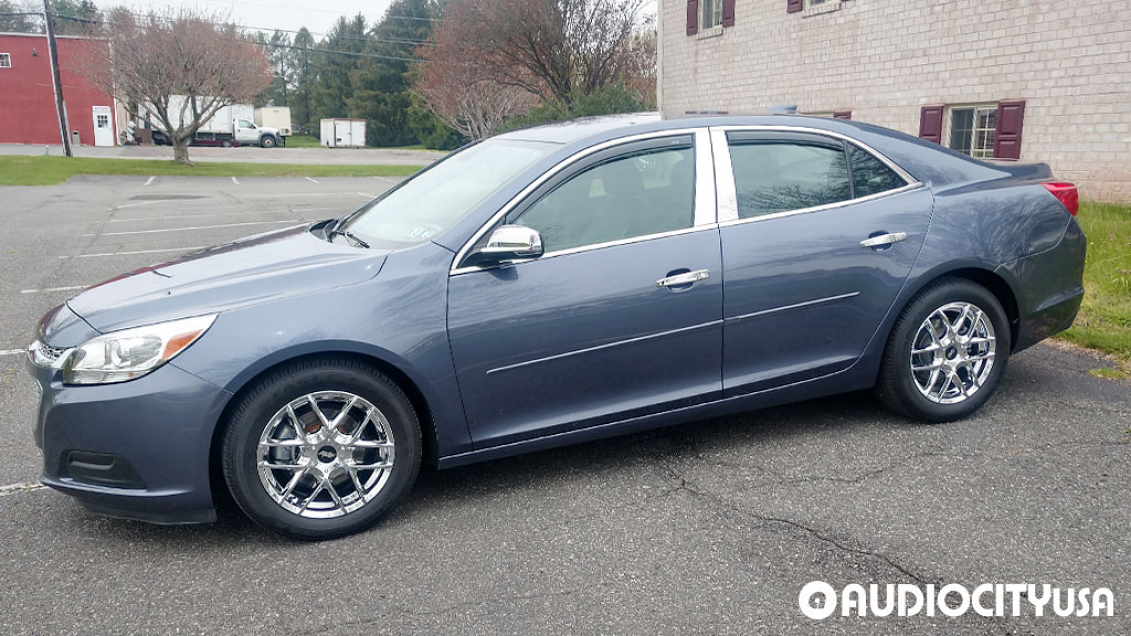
(1105, 317)
(20, 170)
(303, 141)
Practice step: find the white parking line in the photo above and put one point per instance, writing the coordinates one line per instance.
(150, 180)
(197, 227)
(135, 252)
(143, 203)
(26, 486)
(174, 216)
(235, 181)
(53, 289)
(386, 179)
(367, 195)
(312, 180)
(12, 352)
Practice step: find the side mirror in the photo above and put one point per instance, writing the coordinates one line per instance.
(510, 242)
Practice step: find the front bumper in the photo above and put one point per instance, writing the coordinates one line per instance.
(135, 450)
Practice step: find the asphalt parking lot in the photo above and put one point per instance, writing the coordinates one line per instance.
(708, 528)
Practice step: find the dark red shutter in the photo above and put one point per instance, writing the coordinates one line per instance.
(728, 13)
(794, 6)
(1007, 141)
(842, 114)
(692, 17)
(930, 123)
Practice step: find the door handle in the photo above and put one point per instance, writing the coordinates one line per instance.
(884, 239)
(686, 278)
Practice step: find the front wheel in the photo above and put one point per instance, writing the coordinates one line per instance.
(946, 353)
(267, 142)
(321, 449)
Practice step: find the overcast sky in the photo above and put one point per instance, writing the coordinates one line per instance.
(317, 15)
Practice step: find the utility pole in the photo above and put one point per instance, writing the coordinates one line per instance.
(53, 53)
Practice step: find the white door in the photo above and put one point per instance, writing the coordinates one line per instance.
(342, 133)
(357, 133)
(103, 129)
(246, 132)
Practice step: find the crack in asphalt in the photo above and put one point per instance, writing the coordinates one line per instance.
(685, 485)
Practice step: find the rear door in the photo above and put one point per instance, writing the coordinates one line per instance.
(818, 236)
(597, 330)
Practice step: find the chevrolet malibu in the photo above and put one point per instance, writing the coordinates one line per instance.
(548, 286)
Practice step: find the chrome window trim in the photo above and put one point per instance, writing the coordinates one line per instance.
(728, 191)
(704, 213)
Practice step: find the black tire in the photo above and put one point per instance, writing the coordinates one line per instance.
(256, 407)
(267, 141)
(896, 388)
(225, 144)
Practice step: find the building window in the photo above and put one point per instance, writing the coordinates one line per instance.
(817, 3)
(5, 60)
(972, 130)
(712, 13)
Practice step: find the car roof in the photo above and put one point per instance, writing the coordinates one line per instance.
(928, 162)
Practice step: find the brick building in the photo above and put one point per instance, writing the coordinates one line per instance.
(27, 98)
(1035, 80)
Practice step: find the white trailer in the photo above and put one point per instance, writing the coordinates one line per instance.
(278, 117)
(342, 133)
(230, 126)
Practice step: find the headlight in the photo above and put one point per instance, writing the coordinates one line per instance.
(131, 353)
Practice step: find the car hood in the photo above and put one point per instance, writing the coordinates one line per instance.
(278, 264)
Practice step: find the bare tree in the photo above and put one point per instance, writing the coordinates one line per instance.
(181, 65)
(551, 48)
(461, 91)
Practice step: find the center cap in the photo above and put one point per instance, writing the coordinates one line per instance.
(327, 454)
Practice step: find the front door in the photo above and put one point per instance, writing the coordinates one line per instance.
(246, 132)
(596, 330)
(804, 296)
(103, 128)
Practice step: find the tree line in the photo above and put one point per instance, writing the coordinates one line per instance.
(430, 72)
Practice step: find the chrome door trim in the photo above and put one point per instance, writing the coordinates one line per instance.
(819, 208)
(704, 213)
(610, 345)
(807, 303)
(728, 192)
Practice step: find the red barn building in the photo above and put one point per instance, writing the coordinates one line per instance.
(27, 99)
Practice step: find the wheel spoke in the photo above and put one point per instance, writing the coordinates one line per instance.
(356, 482)
(276, 466)
(318, 413)
(293, 482)
(341, 416)
(314, 493)
(284, 443)
(379, 465)
(329, 487)
(366, 443)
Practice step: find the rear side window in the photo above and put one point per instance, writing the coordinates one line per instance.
(772, 177)
(870, 175)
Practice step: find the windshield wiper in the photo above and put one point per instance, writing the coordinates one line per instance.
(349, 235)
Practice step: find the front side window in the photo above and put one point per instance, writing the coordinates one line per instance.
(5, 60)
(648, 192)
(772, 177)
(712, 13)
(972, 130)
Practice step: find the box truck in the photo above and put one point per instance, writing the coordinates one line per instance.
(277, 117)
(342, 133)
(230, 126)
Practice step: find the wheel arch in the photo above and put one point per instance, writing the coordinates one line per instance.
(984, 277)
(403, 380)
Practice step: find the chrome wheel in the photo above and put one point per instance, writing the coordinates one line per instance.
(325, 454)
(953, 353)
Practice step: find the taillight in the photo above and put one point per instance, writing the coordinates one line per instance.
(1067, 194)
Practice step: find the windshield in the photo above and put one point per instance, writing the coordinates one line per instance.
(434, 199)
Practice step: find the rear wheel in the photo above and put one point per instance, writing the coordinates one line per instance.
(321, 449)
(946, 353)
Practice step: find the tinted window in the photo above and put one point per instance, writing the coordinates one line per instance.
(870, 175)
(779, 177)
(644, 193)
